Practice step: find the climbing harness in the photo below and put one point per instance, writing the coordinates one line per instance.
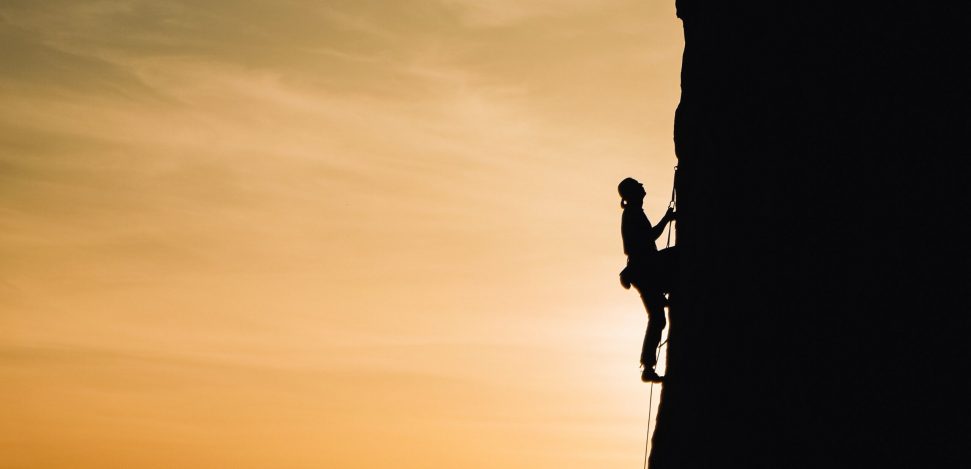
(657, 356)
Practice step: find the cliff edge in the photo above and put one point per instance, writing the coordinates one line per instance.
(821, 313)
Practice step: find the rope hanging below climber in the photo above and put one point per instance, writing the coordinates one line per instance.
(650, 272)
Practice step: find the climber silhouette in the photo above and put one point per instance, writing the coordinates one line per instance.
(648, 270)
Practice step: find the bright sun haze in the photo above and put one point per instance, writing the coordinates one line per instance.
(345, 234)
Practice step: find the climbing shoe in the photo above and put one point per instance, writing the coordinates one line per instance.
(650, 376)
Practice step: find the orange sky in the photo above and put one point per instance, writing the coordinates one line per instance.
(349, 234)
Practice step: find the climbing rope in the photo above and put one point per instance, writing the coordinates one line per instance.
(673, 203)
(657, 356)
(650, 407)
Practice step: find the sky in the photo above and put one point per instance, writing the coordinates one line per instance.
(304, 234)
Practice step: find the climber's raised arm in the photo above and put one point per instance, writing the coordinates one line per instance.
(658, 230)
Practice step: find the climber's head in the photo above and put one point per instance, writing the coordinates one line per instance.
(631, 192)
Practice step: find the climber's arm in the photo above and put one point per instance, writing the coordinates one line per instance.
(658, 229)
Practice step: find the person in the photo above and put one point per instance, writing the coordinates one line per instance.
(648, 270)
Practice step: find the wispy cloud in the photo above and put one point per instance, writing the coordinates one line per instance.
(510, 12)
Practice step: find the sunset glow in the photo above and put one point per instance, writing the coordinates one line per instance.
(343, 234)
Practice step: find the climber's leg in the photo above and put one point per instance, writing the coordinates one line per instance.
(654, 303)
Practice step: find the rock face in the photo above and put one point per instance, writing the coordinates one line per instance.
(821, 314)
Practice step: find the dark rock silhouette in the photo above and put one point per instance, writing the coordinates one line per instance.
(820, 314)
